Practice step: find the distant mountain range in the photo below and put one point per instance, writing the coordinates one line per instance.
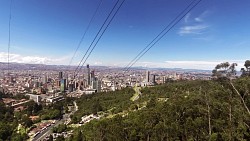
(22, 66)
(173, 69)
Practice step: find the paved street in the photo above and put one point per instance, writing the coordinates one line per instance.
(48, 131)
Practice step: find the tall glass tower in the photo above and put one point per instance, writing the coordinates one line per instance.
(88, 77)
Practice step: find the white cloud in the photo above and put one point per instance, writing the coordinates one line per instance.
(207, 38)
(194, 25)
(202, 16)
(186, 18)
(202, 65)
(206, 65)
(98, 63)
(31, 59)
(194, 29)
(198, 19)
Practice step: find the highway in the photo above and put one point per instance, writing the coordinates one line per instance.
(48, 131)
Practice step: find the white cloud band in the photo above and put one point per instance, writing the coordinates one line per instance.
(203, 65)
(17, 58)
(195, 29)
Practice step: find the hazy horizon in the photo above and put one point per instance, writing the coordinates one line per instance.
(48, 32)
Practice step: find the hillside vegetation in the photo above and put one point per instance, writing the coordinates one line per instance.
(112, 102)
(213, 110)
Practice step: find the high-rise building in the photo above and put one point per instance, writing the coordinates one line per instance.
(76, 85)
(63, 85)
(88, 75)
(164, 79)
(99, 86)
(71, 87)
(67, 80)
(92, 76)
(147, 76)
(93, 84)
(153, 79)
(60, 75)
(44, 79)
(96, 84)
(58, 83)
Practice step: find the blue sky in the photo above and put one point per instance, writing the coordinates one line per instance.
(48, 31)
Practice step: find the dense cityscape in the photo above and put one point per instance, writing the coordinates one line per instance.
(49, 102)
(90, 80)
(50, 84)
(124, 70)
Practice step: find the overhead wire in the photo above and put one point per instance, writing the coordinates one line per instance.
(96, 36)
(99, 35)
(102, 34)
(176, 20)
(85, 31)
(9, 41)
(157, 36)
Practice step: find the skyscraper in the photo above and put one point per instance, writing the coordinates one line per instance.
(99, 86)
(164, 79)
(44, 79)
(71, 87)
(96, 84)
(67, 80)
(92, 76)
(88, 75)
(63, 85)
(147, 76)
(153, 79)
(60, 75)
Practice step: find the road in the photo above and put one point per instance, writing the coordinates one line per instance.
(137, 94)
(48, 131)
(21, 103)
(76, 107)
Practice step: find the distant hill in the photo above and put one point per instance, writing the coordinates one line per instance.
(23, 66)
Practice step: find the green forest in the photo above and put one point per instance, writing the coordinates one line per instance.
(216, 110)
(109, 102)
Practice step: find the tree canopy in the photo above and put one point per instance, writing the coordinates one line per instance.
(190, 110)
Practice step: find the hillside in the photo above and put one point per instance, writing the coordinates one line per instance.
(189, 110)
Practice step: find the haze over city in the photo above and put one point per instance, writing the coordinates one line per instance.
(48, 32)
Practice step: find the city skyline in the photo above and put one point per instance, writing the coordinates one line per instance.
(47, 32)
